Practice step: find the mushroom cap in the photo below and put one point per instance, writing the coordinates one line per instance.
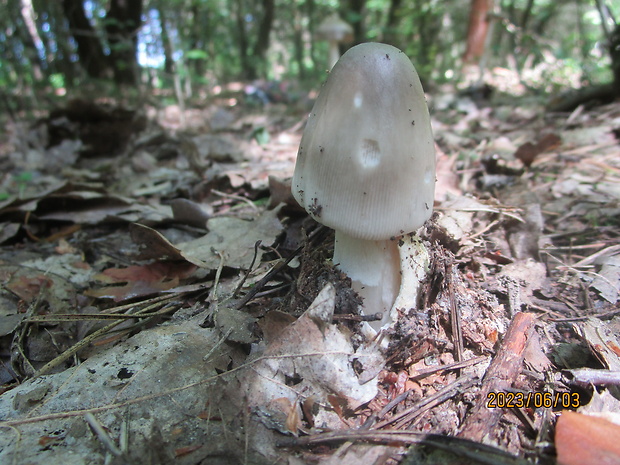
(334, 28)
(366, 162)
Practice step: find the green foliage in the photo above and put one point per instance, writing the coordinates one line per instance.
(196, 54)
(19, 182)
(261, 135)
(57, 80)
(554, 45)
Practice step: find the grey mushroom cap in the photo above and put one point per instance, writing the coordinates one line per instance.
(366, 162)
(334, 28)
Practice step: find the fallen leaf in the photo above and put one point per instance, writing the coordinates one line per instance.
(318, 356)
(607, 280)
(140, 280)
(528, 152)
(584, 439)
(234, 239)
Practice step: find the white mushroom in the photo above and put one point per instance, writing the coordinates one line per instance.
(334, 30)
(366, 167)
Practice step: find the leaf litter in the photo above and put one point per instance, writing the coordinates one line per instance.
(152, 289)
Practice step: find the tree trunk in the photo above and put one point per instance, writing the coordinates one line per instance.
(477, 30)
(527, 14)
(199, 36)
(253, 58)
(62, 60)
(165, 38)
(264, 30)
(298, 44)
(614, 50)
(34, 41)
(262, 40)
(89, 48)
(310, 9)
(123, 21)
(390, 35)
(243, 40)
(357, 8)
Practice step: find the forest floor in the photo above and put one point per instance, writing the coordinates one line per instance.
(164, 300)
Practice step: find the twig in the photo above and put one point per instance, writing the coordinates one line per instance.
(218, 273)
(17, 346)
(499, 377)
(450, 366)
(461, 447)
(587, 317)
(594, 376)
(265, 279)
(455, 315)
(611, 250)
(420, 407)
(276, 269)
(369, 423)
(240, 285)
(92, 337)
(102, 434)
(235, 197)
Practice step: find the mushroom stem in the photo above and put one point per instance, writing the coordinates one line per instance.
(334, 53)
(386, 274)
(374, 269)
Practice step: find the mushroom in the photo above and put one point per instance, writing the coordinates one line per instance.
(334, 30)
(366, 168)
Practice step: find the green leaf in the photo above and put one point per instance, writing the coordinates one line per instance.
(196, 54)
(261, 135)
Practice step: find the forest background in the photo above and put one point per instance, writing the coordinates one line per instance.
(55, 48)
(148, 232)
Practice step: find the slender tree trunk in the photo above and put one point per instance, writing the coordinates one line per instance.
(242, 40)
(614, 50)
(89, 48)
(165, 38)
(61, 35)
(262, 40)
(604, 13)
(390, 35)
(124, 21)
(298, 43)
(199, 36)
(357, 8)
(310, 9)
(527, 14)
(264, 30)
(35, 42)
(477, 30)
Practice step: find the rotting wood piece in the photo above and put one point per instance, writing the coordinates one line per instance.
(504, 368)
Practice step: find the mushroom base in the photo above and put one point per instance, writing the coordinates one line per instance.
(374, 269)
(386, 274)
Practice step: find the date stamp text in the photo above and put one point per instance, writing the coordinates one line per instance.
(500, 399)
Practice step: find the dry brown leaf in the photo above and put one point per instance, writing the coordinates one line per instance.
(141, 280)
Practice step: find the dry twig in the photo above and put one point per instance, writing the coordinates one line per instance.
(499, 377)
